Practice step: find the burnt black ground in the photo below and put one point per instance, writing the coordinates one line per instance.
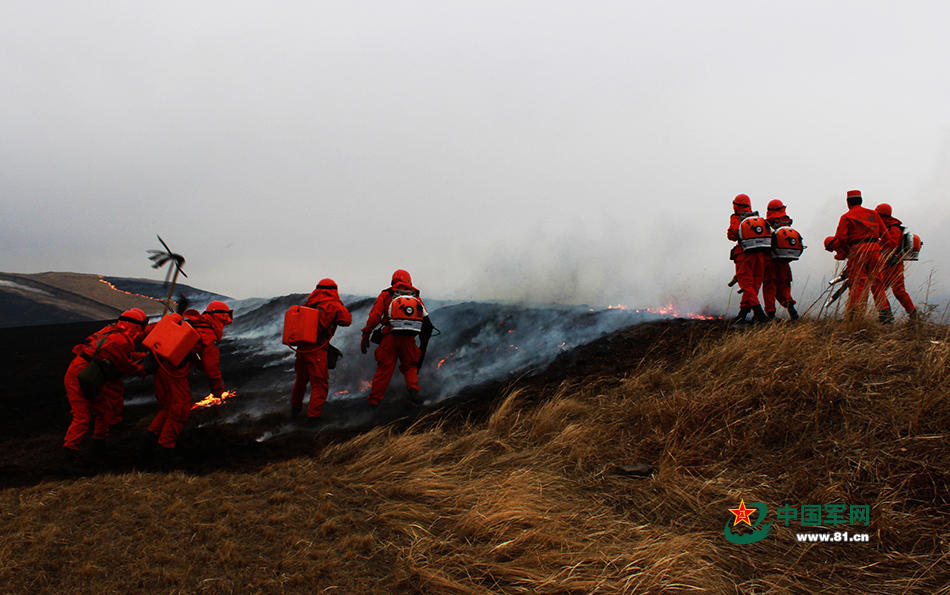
(34, 413)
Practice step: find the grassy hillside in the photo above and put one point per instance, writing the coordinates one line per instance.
(536, 496)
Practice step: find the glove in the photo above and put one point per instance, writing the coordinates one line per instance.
(364, 343)
(149, 364)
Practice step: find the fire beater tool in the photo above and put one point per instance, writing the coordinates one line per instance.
(174, 261)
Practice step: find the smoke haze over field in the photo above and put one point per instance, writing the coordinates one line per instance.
(549, 151)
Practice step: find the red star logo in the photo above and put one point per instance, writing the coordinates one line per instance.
(742, 513)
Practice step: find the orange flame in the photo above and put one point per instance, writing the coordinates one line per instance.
(114, 288)
(443, 360)
(671, 310)
(211, 400)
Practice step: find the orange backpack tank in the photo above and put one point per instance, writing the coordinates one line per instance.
(301, 326)
(910, 246)
(172, 338)
(787, 244)
(406, 313)
(755, 234)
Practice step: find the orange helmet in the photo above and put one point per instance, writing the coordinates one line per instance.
(883, 209)
(401, 277)
(135, 316)
(219, 307)
(133, 319)
(775, 205)
(741, 203)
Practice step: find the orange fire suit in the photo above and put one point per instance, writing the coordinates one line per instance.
(750, 266)
(892, 266)
(311, 362)
(859, 233)
(172, 387)
(778, 275)
(392, 347)
(117, 344)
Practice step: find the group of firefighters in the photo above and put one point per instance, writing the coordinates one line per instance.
(95, 390)
(397, 317)
(873, 242)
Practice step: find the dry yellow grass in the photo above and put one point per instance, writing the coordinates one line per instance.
(529, 500)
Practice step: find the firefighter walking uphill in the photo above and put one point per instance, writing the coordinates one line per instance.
(401, 316)
(312, 361)
(786, 247)
(895, 249)
(753, 238)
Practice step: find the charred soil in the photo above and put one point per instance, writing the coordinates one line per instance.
(35, 412)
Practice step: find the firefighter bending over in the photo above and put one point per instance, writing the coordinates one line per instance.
(94, 379)
(172, 386)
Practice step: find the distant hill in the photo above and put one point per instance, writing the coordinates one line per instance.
(56, 297)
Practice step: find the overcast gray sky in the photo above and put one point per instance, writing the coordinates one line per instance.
(573, 151)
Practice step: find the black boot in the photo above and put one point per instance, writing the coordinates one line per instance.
(743, 312)
(165, 458)
(758, 315)
(146, 454)
(414, 398)
(99, 448)
(771, 315)
(792, 312)
(69, 461)
(885, 317)
(295, 411)
(914, 315)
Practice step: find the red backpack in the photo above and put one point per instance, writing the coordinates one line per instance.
(787, 244)
(755, 234)
(406, 312)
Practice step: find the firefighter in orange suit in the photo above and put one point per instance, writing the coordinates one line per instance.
(892, 267)
(172, 387)
(401, 316)
(778, 273)
(750, 259)
(112, 351)
(859, 233)
(311, 364)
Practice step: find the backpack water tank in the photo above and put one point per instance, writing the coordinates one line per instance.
(172, 338)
